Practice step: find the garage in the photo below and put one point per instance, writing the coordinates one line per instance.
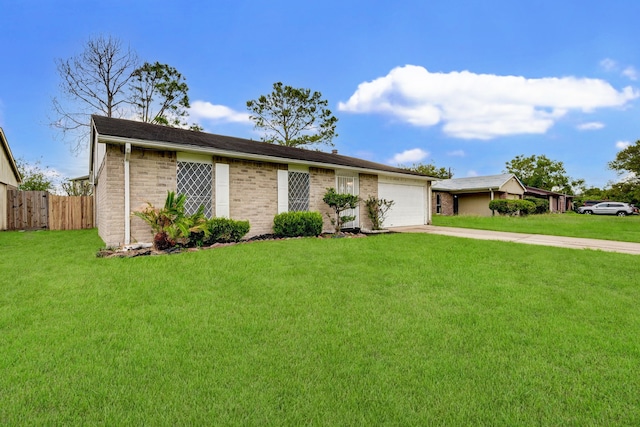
(409, 207)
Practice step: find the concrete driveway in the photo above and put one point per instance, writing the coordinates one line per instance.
(531, 239)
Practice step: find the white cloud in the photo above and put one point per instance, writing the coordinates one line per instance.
(209, 111)
(609, 64)
(481, 106)
(590, 126)
(456, 153)
(409, 156)
(472, 173)
(621, 145)
(630, 72)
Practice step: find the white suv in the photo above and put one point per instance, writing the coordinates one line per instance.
(607, 208)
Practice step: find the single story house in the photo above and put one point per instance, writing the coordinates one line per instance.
(558, 202)
(132, 163)
(471, 196)
(9, 177)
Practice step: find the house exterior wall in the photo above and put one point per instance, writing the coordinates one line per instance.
(151, 175)
(320, 180)
(513, 187)
(474, 204)
(446, 203)
(253, 193)
(368, 187)
(110, 197)
(7, 181)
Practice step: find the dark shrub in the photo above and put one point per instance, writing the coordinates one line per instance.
(512, 206)
(220, 230)
(541, 205)
(295, 224)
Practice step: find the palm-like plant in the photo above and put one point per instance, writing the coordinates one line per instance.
(170, 224)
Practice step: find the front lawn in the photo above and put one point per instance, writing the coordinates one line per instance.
(402, 329)
(626, 229)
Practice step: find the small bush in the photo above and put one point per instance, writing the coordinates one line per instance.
(541, 205)
(512, 206)
(296, 224)
(220, 230)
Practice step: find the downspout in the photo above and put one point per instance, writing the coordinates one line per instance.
(492, 196)
(127, 195)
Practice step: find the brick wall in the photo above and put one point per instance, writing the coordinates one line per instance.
(320, 180)
(446, 203)
(253, 193)
(368, 187)
(151, 175)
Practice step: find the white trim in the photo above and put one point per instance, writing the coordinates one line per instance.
(298, 168)
(283, 191)
(222, 190)
(127, 195)
(194, 158)
(248, 156)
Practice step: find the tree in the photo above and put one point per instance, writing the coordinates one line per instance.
(93, 82)
(293, 117)
(34, 177)
(77, 188)
(628, 160)
(160, 95)
(430, 169)
(542, 172)
(340, 203)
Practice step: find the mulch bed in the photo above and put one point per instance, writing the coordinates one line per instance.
(132, 253)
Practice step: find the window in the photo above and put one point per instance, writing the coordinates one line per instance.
(298, 191)
(194, 180)
(438, 203)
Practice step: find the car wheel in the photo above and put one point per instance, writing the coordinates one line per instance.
(587, 212)
(621, 213)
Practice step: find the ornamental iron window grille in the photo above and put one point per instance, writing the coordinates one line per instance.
(195, 181)
(298, 191)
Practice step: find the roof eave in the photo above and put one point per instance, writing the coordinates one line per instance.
(247, 156)
(10, 158)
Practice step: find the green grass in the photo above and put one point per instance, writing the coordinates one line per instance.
(625, 229)
(403, 329)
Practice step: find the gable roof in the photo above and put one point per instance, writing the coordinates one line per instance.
(121, 131)
(542, 192)
(476, 183)
(9, 156)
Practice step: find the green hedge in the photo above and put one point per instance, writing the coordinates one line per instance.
(542, 205)
(512, 206)
(295, 224)
(220, 230)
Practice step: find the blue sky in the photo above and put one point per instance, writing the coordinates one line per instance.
(463, 84)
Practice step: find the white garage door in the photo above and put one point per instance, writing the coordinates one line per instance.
(409, 206)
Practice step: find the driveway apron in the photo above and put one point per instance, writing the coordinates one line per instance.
(531, 239)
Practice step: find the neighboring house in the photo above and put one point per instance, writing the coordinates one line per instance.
(133, 163)
(471, 196)
(9, 177)
(558, 202)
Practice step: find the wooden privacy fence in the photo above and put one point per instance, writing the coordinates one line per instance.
(39, 210)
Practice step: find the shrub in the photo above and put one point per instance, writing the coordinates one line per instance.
(512, 206)
(296, 224)
(541, 205)
(377, 210)
(170, 225)
(340, 203)
(220, 230)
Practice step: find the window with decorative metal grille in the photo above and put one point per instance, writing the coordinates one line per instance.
(194, 180)
(298, 191)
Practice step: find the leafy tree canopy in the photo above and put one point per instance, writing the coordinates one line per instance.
(293, 117)
(430, 169)
(159, 94)
(542, 172)
(628, 160)
(35, 177)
